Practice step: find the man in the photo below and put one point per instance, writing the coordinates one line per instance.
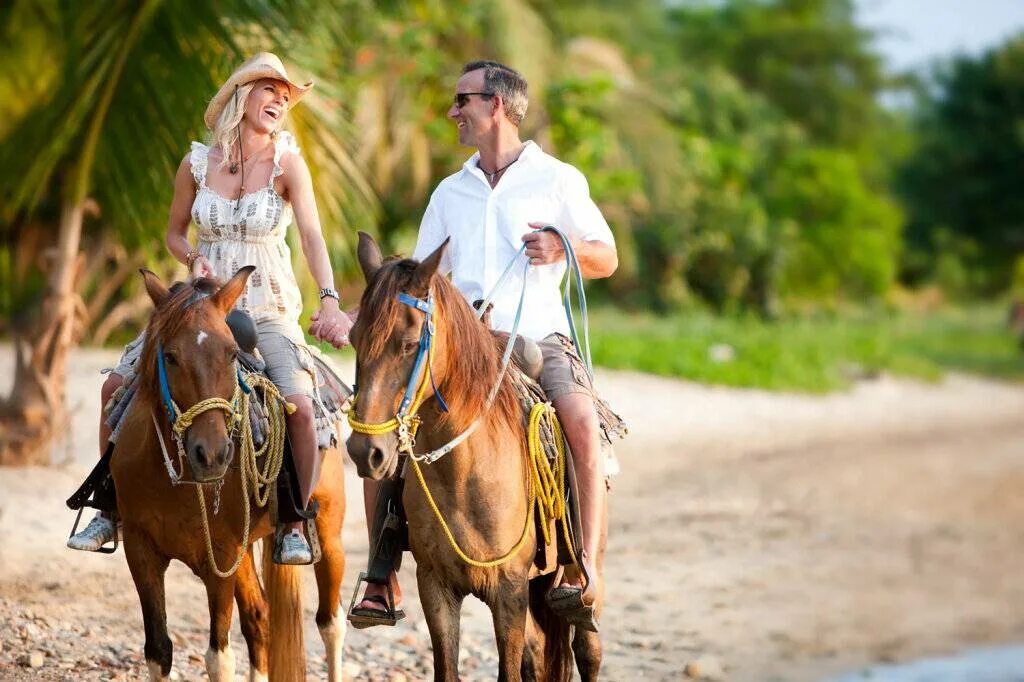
(502, 196)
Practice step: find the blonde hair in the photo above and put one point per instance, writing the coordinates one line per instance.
(225, 133)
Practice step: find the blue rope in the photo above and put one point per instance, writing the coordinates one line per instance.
(573, 273)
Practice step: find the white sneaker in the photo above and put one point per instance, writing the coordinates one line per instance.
(99, 532)
(295, 549)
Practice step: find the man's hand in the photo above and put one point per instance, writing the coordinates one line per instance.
(331, 324)
(543, 248)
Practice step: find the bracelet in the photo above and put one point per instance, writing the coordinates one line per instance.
(333, 293)
(190, 258)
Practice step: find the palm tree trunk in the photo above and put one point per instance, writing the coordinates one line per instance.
(35, 412)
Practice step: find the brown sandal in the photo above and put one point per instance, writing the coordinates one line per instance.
(364, 617)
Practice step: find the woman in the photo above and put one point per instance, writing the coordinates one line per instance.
(242, 191)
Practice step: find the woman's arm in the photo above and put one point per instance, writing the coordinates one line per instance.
(330, 323)
(181, 217)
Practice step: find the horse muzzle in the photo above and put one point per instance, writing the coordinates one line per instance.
(209, 458)
(375, 457)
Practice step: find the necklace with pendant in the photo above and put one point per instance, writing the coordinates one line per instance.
(493, 177)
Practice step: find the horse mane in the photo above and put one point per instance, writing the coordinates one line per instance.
(176, 312)
(473, 353)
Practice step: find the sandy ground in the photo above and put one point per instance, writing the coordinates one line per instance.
(773, 536)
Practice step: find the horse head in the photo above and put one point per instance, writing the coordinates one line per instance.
(387, 338)
(189, 358)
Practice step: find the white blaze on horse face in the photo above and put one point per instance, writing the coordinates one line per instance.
(333, 634)
(154, 672)
(200, 337)
(220, 665)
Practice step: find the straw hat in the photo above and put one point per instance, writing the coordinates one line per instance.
(263, 65)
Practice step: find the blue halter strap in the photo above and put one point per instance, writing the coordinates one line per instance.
(422, 353)
(165, 389)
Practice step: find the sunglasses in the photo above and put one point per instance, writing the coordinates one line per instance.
(462, 98)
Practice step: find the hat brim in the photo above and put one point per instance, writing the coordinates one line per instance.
(243, 77)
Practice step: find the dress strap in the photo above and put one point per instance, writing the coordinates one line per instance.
(198, 159)
(285, 143)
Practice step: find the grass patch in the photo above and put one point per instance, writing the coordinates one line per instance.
(810, 353)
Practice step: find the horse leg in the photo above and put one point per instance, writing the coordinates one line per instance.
(253, 617)
(148, 566)
(329, 572)
(508, 611)
(220, 658)
(442, 609)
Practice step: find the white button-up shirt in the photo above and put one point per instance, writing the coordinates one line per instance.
(486, 227)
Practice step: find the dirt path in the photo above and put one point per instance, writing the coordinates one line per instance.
(779, 537)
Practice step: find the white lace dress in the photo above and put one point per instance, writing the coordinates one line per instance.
(251, 231)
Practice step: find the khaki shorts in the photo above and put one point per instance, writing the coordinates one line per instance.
(564, 371)
(282, 345)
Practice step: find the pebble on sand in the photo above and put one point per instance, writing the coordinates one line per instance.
(32, 660)
(704, 668)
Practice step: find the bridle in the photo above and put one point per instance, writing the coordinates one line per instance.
(405, 421)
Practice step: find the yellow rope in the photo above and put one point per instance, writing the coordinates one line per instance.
(504, 558)
(545, 488)
(272, 451)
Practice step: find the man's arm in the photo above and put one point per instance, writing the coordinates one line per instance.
(597, 259)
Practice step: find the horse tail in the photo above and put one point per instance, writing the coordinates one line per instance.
(556, 631)
(284, 595)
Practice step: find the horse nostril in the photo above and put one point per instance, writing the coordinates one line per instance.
(200, 453)
(226, 453)
(376, 458)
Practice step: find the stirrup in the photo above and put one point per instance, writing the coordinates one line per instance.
(312, 539)
(103, 549)
(567, 602)
(362, 618)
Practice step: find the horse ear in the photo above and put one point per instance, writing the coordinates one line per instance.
(369, 255)
(158, 293)
(428, 266)
(227, 295)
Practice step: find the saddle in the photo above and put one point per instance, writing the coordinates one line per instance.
(98, 490)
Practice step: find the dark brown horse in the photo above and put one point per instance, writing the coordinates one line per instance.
(480, 487)
(162, 521)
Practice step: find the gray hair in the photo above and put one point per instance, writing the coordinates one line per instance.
(505, 82)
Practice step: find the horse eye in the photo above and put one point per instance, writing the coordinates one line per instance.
(170, 359)
(410, 347)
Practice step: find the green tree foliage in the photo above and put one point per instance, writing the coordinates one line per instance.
(962, 184)
(808, 57)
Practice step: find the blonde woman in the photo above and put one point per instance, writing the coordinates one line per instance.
(242, 193)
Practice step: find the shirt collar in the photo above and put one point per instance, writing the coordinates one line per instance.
(530, 151)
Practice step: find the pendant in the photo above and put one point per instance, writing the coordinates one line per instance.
(233, 168)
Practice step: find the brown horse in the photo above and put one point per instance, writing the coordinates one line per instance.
(480, 486)
(163, 522)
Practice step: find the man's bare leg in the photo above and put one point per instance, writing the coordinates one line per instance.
(579, 423)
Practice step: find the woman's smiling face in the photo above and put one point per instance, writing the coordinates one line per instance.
(267, 105)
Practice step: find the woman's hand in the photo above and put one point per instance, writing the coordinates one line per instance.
(331, 323)
(201, 268)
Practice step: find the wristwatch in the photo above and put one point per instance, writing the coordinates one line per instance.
(333, 293)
